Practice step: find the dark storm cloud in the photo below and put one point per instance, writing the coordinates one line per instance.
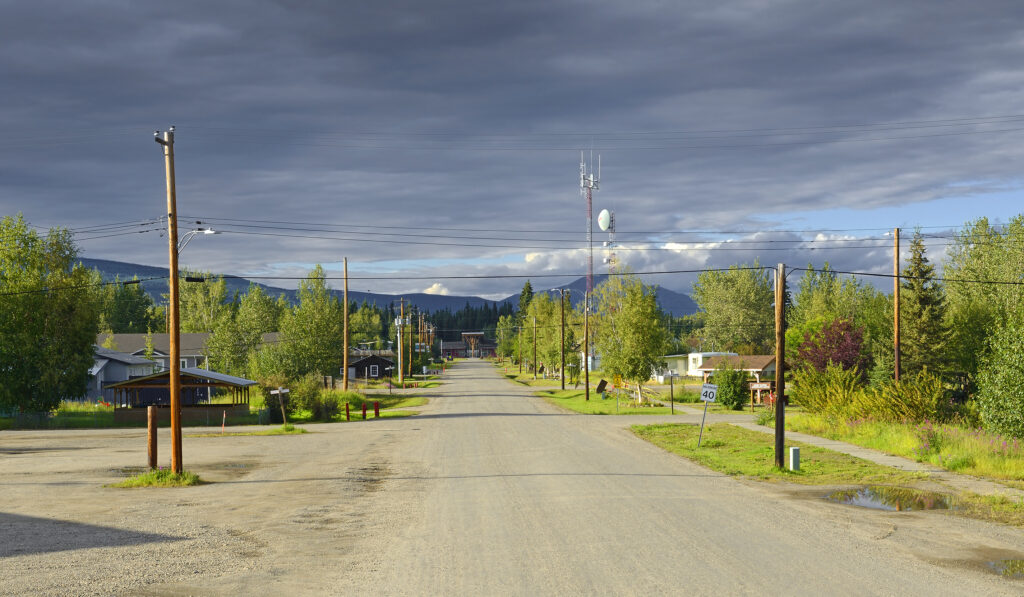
(471, 115)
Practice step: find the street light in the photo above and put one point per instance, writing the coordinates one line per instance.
(188, 236)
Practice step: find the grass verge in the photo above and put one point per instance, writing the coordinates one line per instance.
(744, 453)
(971, 451)
(575, 400)
(161, 478)
(286, 429)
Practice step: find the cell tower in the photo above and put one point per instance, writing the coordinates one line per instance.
(588, 184)
(606, 221)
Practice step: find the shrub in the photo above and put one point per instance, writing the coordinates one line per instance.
(922, 397)
(732, 386)
(828, 393)
(1001, 393)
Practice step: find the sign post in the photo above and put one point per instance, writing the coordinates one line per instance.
(707, 393)
(280, 400)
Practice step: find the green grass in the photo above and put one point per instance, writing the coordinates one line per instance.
(575, 400)
(286, 429)
(161, 478)
(744, 453)
(971, 451)
(527, 379)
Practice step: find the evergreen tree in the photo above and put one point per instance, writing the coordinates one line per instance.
(923, 334)
(524, 299)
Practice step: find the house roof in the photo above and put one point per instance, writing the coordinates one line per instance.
(121, 357)
(746, 362)
(189, 344)
(370, 359)
(190, 376)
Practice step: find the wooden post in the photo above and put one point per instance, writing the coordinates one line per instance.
(344, 364)
(896, 304)
(280, 400)
(401, 342)
(535, 347)
(780, 366)
(174, 377)
(151, 445)
(562, 344)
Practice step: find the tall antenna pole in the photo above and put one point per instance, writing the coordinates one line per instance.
(174, 375)
(588, 184)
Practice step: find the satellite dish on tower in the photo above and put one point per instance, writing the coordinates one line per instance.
(604, 219)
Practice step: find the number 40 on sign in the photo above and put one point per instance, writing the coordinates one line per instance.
(708, 392)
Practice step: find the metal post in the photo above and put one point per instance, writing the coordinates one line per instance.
(780, 366)
(586, 348)
(174, 376)
(344, 360)
(671, 395)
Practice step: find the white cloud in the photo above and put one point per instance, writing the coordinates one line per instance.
(437, 288)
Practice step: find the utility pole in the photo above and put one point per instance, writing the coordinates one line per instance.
(780, 366)
(586, 346)
(519, 346)
(344, 377)
(174, 376)
(535, 347)
(398, 337)
(562, 344)
(412, 356)
(896, 303)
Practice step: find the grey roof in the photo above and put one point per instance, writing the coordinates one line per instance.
(192, 372)
(221, 377)
(121, 357)
(189, 344)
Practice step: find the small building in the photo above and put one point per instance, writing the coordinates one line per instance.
(472, 345)
(110, 366)
(130, 397)
(760, 366)
(371, 367)
(191, 346)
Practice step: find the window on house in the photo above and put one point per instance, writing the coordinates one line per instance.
(373, 370)
(184, 363)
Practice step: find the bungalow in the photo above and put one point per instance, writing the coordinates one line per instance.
(191, 346)
(110, 366)
(760, 366)
(371, 367)
(473, 344)
(688, 364)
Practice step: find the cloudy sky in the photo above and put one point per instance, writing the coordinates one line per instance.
(424, 140)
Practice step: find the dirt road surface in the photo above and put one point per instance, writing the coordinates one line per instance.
(490, 491)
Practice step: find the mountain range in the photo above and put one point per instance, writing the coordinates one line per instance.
(676, 303)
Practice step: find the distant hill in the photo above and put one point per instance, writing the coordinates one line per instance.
(672, 302)
(110, 270)
(676, 303)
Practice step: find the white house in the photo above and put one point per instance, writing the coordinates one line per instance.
(689, 364)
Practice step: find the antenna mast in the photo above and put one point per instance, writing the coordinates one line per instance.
(588, 184)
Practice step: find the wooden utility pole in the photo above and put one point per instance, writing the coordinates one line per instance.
(519, 346)
(173, 329)
(780, 367)
(562, 344)
(586, 346)
(411, 355)
(535, 347)
(896, 304)
(344, 360)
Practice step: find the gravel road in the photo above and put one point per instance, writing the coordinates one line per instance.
(490, 491)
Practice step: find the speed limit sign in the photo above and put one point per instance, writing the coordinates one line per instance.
(708, 392)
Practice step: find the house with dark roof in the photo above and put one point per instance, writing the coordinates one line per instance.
(110, 366)
(192, 346)
(371, 367)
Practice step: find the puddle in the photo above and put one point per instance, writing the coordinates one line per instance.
(1008, 568)
(892, 499)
